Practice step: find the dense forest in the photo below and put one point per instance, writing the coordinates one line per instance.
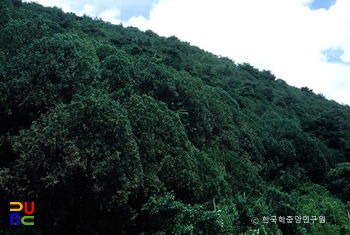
(112, 130)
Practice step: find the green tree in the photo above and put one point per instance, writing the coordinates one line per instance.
(50, 70)
(168, 215)
(80, 162)
(116, 70)
(155, 80)
(338, 181)
(166, 153)
(5, 13)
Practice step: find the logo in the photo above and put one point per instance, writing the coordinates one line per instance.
(27, 218)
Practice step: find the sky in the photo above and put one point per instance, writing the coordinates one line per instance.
(304, 42)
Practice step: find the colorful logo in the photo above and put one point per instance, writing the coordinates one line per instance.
(27, 218)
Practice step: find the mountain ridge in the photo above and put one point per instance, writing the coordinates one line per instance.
(113, 130)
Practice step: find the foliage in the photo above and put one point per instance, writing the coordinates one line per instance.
(171, 216)
(111, 130)
(52, 70)
(314, 200)
(79, 153)
(339, 181)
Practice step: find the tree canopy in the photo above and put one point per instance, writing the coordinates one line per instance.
(111, 130)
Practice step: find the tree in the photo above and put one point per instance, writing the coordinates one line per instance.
(306, 89)
(155, 80)
(5, 13)
(266, 74)
(168, 215)
(80, 162)
(338, 181)
(47, 71)
(166, 153)
(116, 70)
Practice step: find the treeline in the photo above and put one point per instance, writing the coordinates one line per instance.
(111, 130)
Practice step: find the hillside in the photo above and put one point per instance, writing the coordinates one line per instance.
(111, 130)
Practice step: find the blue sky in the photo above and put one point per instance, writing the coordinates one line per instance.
(135, 8)
(304, 42)
(333, 55)
(127, 8)
(318, 4)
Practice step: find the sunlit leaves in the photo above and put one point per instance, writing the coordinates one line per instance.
(171, 216)
(314, 200)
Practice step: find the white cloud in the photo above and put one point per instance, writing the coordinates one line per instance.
(285, 37)
(87, 10)
(111, 15)
(51, 3)
(140, 21)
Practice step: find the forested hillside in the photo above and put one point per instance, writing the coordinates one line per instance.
(111, 130)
